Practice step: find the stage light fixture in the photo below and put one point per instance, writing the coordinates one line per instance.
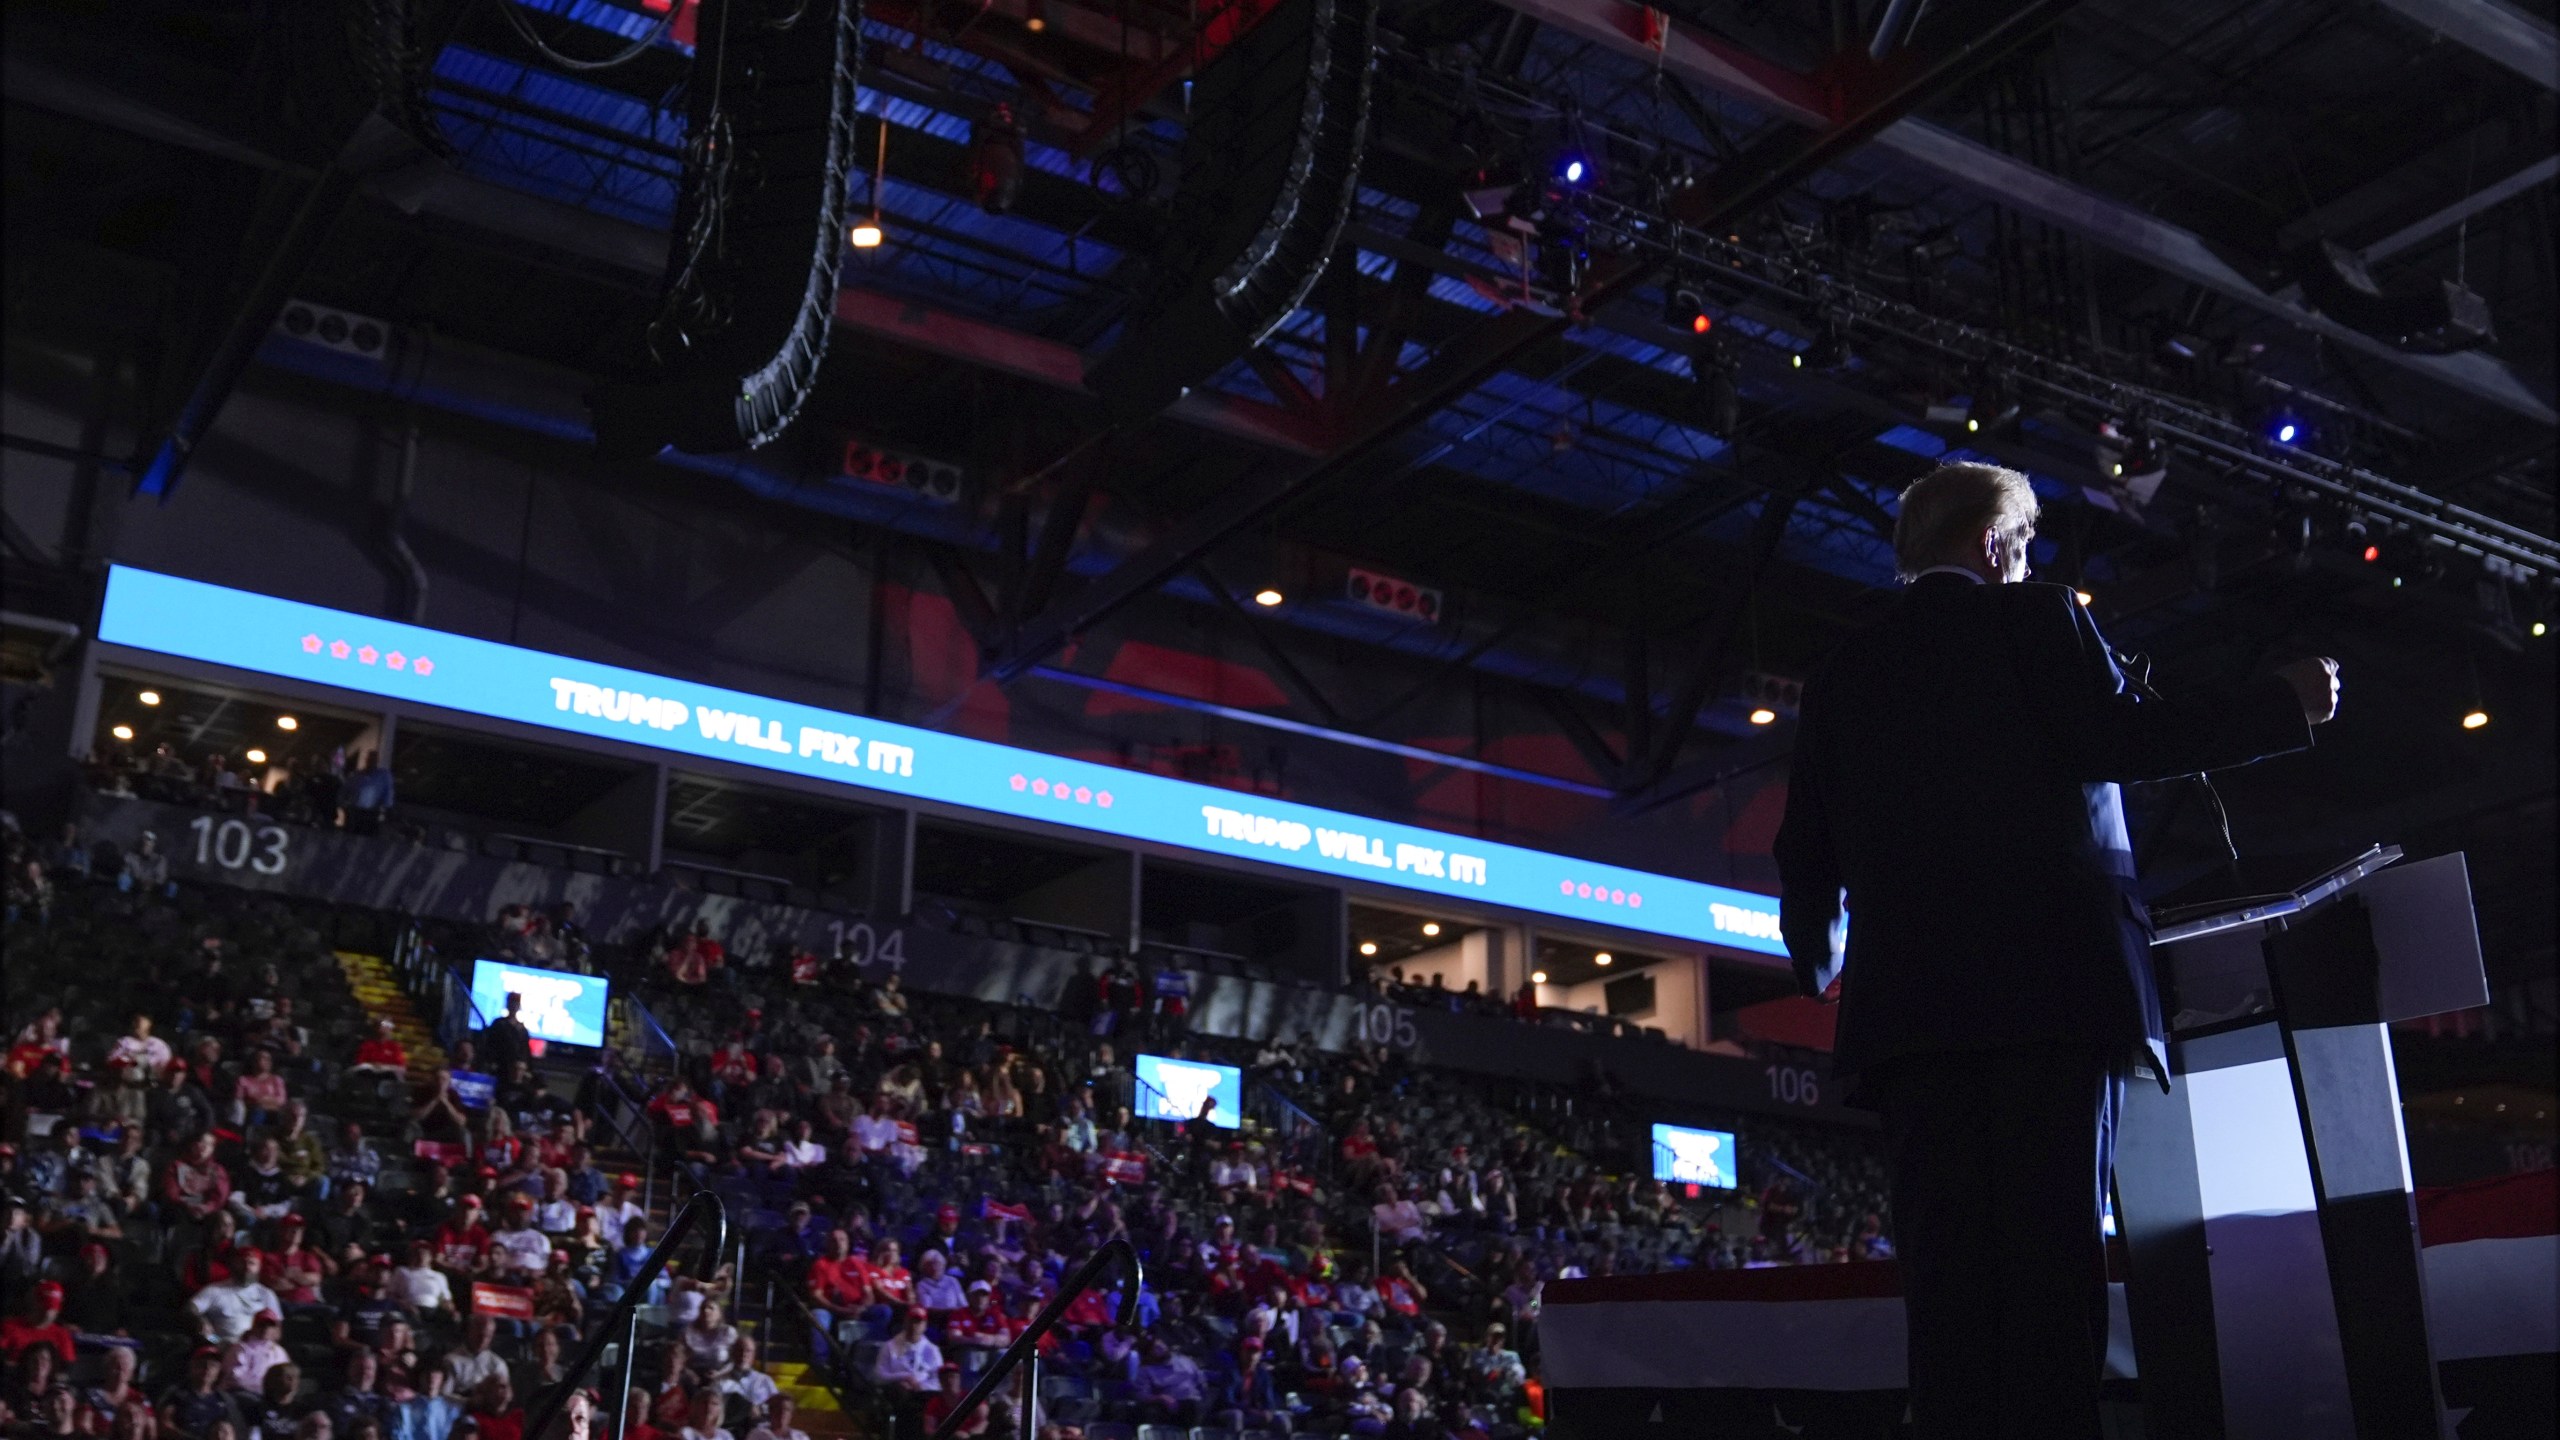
(2372, 553)
(1684, 308)
(2083, 596)
(122, 732)
(2475, 720)
(149, 697)
(2287, 430)
(2540, 629)
(1604, 959)
(256, 757)
(1537, 977)
(287, 722)
(1267, 598)
(1764, 716)
(1368, 947)
(1035, 16)
(866, 234)
(1430, 927)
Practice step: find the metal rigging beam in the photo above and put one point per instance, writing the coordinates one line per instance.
(1988, 30)
(2493, 28)
(2019, 186)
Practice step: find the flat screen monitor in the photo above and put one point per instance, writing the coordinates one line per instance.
(1694, 1157)
(555, 1004)
(1170, 1089)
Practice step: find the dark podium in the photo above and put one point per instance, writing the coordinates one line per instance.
(2275, 1289)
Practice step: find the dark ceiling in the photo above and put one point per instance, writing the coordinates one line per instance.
(1574, 489)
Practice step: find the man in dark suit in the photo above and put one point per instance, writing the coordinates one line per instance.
(1955, 789)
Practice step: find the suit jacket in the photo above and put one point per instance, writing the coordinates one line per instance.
(1955, 788)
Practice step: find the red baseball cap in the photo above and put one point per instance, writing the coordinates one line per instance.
(49, 1294)
(948, 1212)
(915, 1312)
(269, 1317)
(628, 1181)
(295, 1222)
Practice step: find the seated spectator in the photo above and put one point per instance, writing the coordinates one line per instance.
(619, 1208)
(420, 1285)
(1169, 1386)
(94, 1304)
(358, 1398)
(1248, 1395)
(191, 1409)
(519, 1252)
(194, 1185)
(622, 1262)
(347, 1228)
(779, 1412)
(298, 1271)
(430, 1414)
(494, 1409)
(702, 1421)
(743, 1378)
(709, 1339)
(475, 1362)
(908, 1367)
(547, 1365)
(262, 1191)
(260, 1094)
(39, 1327)
(1397, 1217)
(946, 1401)
(892, 1288)
(228, 1307)
(382, 1053)
(258, 1352)
(936, 1289)
(306, 1159)
(558, 1299)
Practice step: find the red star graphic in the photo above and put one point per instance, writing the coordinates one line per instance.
(424, 666)
(310, 644)
(338, 649)
(396, 660)
(368, 655)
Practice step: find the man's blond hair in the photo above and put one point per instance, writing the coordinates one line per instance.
(1945, 512)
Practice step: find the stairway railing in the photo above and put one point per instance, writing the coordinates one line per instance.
(624, 1323)
(1026, 1347)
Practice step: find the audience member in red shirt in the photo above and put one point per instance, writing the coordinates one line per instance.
(462, 1242)
(891, 1285)
(382, 1050)
(839, 1280)
(41, 1325)
(494, 1406)
(195, 1183)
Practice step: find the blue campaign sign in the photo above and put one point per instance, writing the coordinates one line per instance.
(1693, 1157)
(554, 1004)
(260, 633)
(1170, 1089)
(474, 1089)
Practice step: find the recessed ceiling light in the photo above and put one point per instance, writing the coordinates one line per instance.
(1764, 716)
(149, 697)
(122, 732)
(287, 722)
(257, 757)
(1604, 958)
(1368, 947)
(2475, 719)
(1537, 977)
(1430, 927)
(1267, 598)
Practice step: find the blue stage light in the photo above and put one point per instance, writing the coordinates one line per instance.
(1572, 169)
(2285, 431)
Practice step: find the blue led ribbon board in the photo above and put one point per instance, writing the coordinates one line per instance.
(260, 633)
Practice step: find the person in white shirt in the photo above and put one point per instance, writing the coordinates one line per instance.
(228, 1308)
(778, 1415)
(555, 1213)
(746, 1379)
(800, 1152)
(419, 1284)
(617, 1210)
(140, 1055)
(1398, 1219)
(522, 1248)
(936, 1287)
(875, 1130)
(473, 1363)
(710, 1339)
(909, 1361)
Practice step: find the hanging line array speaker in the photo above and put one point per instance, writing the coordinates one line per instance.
(750, 285)
(1270, 169)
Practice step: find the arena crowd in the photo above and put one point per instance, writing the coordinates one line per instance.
(237, 1208)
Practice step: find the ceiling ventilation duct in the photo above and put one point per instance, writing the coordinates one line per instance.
(750, 285)
(1269, 172)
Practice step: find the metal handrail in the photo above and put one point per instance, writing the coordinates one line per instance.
(1027, 1344)
(622, 1322)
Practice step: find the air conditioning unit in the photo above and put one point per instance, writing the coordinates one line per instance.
(1397, 597)
(1777, 692)
(359, 335)
(935, 480)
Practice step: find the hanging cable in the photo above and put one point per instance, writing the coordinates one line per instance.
(633, 51)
